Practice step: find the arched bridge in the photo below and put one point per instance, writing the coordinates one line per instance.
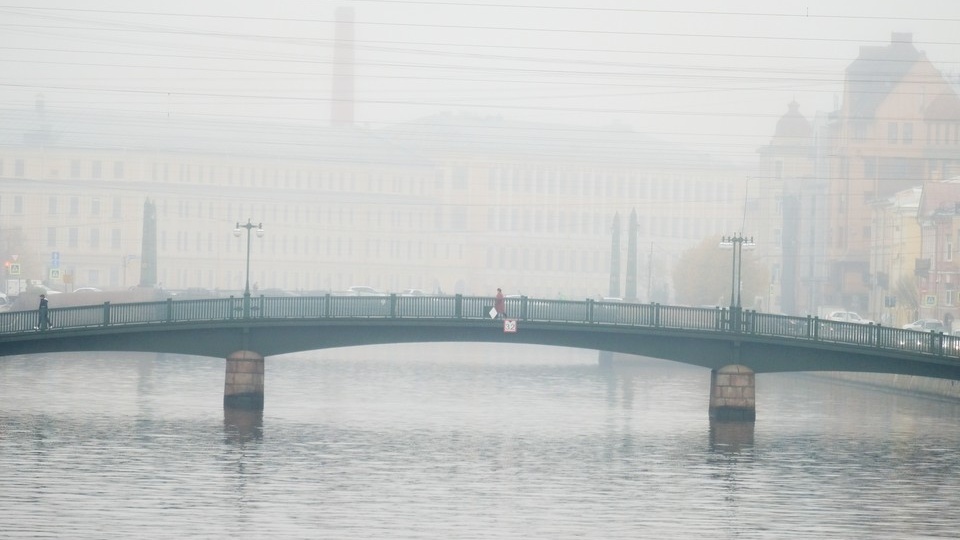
(265, 326)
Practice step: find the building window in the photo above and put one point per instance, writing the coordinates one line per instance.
(52, 205)
(73, 237)
(948, 251)
(892, 133)
(118, 169)
(94, 238)
(96, 169)
(75, 168)
(51, 237)
(870, 167)
(19, 168)
(95, 207)
(907, 133)
(74, 206)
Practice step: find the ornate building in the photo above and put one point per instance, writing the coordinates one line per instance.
(899, 126)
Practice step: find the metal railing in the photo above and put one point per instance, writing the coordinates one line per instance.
(467, 308)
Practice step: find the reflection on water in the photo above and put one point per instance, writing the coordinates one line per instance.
(242, 425)
(731, 436)
(461, 442)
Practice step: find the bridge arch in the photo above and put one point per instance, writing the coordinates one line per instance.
(705, 337)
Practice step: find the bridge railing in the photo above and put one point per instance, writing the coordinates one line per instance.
(460, 307)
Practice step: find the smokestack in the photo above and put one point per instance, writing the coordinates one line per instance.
(341, 106)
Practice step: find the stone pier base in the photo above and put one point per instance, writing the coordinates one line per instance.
(733, 394)
(243, 384)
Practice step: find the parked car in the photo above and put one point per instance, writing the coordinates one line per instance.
(273, 292)
(412, 292)
(848, 316)
(926, 325)
(6, 304)
(195, 293)
(87, 290)
(363, 290)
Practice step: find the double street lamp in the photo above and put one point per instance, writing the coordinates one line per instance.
(737, 243)
(246, 289)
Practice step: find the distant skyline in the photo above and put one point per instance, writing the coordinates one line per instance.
(690, 72)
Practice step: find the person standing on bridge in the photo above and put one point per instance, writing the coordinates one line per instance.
(500, 304)
(44, 320)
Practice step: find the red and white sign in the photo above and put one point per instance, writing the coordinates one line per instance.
(510, 326)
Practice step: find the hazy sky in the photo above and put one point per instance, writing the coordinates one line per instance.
(714, 74)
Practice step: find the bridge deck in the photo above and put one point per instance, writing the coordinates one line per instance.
(18, 330)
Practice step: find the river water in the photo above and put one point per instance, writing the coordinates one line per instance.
(466, 441)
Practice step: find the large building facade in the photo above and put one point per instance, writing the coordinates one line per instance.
(342, 206)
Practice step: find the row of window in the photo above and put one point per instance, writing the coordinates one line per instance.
(54, 206)
(541, 181)
(56, 240)
(95, 170)
(73, 207)
(937, 133)
(585, 184)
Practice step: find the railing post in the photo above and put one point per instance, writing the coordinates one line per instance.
(656, 314)
(106, 313)
(523, 308)
(589, 310)
(458, 306)
(816, 327)
(169, 309)
(326, 306)
(393, 305)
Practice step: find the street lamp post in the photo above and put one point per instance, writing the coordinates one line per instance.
(246, 289)
(736, 243)
(126, 260)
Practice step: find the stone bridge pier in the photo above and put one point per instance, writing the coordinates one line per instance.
(243, 382)
(733, 394)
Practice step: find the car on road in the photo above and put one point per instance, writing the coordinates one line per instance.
(926, 325)
(847, 316)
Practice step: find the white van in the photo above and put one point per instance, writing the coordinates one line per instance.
(6, 304)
